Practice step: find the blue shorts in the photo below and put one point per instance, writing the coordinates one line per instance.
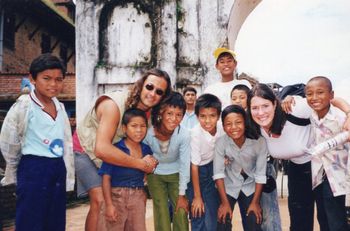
(87, 174)
(41, 194)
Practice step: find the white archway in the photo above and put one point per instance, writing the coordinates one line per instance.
(239, 13)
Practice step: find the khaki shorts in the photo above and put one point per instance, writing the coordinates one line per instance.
(130, 204)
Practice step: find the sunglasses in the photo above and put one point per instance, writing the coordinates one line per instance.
(151, 87)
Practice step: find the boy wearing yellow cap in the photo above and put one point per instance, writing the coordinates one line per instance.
(226, 64)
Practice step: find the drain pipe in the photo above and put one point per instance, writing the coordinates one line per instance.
(1, 36)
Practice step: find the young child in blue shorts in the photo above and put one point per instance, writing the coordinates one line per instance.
(202, 193)
(123, 188)
(37, 146)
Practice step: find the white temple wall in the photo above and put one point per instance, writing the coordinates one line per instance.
(117, 40)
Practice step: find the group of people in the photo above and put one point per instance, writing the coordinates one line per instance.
(198, 157)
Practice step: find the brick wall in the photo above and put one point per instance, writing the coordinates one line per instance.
(11, 83)
(69, 85)
(28, 47)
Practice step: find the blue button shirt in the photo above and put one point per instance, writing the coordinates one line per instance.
(189, 120)
(251, 158)
(123, 176)
(178, 157)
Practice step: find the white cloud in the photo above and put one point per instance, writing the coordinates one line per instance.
(291, 41)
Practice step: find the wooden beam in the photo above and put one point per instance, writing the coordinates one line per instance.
(20, 23)
(55, 45)
(70, 56)
(31, 35)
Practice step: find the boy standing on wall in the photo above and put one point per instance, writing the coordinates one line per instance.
(226, 64)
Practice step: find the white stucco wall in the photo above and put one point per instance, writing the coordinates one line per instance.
(86, 55)
(184, 38)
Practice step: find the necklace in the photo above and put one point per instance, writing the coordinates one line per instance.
(164, 146)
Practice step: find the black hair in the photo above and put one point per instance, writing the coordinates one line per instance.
(249, 132)
(175, 99)
(206, 101)
(192, 89)
(131, 113)
(265, 92)
(322, 78)
(241, 87)
(45, 62)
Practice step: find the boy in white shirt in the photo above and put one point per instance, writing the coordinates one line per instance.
(226, 64)
(202, 193)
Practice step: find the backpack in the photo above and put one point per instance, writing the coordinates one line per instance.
(295, 89)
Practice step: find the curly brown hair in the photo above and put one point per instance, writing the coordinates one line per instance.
(135, 90)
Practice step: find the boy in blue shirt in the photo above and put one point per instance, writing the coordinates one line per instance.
(37, 146)
(190, 118)
(123, 187)
(202, 193)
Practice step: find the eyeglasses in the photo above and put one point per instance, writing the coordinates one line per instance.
(150, 87)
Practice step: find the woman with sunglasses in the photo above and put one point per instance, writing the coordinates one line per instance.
(101, 127)
(170, 144)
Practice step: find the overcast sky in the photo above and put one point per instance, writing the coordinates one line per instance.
(290, 41)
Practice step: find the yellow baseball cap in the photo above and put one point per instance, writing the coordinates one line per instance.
(221, 50)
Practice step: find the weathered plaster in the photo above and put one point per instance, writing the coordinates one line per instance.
(116, 40)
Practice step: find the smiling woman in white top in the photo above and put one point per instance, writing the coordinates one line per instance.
(286, 140)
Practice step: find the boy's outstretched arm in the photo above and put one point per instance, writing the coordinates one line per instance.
(336, 102)
(345, 107)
